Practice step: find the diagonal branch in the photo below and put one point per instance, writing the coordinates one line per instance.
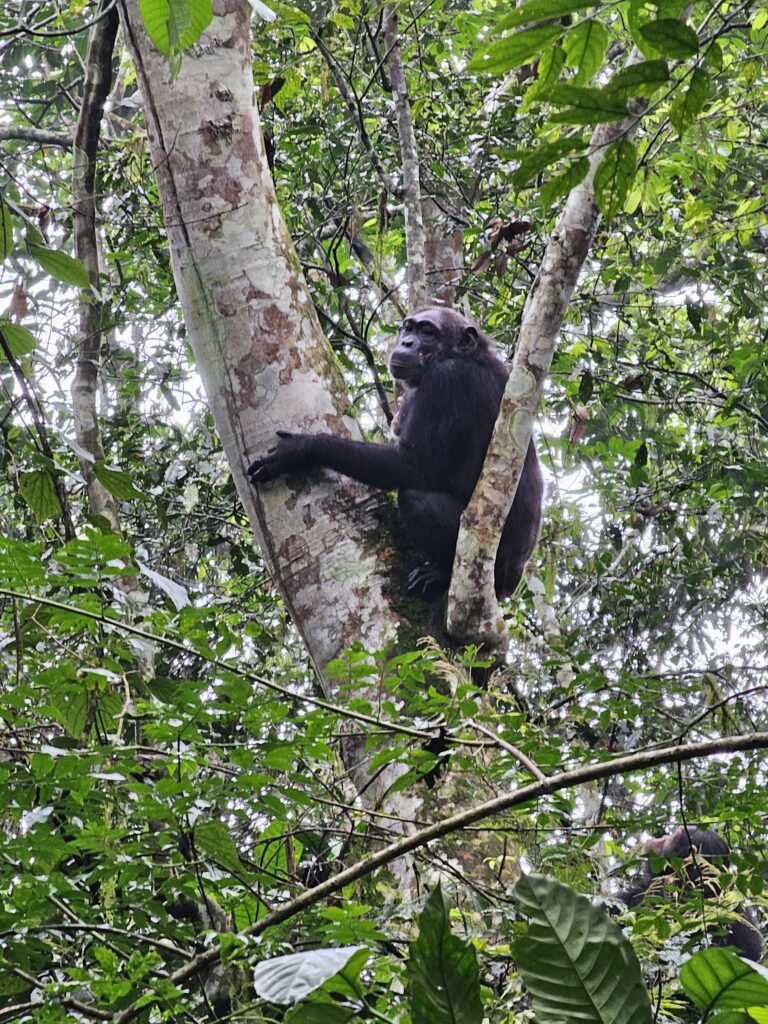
(473, 611)
(37, 135)
(639, 761)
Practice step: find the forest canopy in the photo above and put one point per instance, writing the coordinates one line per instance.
(243, 774)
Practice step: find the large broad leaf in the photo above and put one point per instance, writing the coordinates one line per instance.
(540, 10)
(671, 37)
(517, 49)
(20, 340)
(687, 107)
(614, 177)
(719, 979)
(563, 183)
(575, 962)
(58, 264)
(287, 979)
(322, 1012)
(587, 106)
(173, 25)
(214, 839)
(445, 983)
(551, 63)
(175, 591)
(641, 79)
(116, 481)
(534, 163)
(38, 490)
(585, 47)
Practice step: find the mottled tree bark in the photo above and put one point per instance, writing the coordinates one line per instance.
(473, 611)
(259, 348)
(443, 254)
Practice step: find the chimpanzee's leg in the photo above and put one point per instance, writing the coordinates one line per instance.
(431, 523)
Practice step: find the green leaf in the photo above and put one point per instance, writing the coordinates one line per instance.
(20, 340)
(445, 981)
(287, 979)
(173, 25)
(575, 962)
(317, 1012)
(41, 765)
(69, 705)
(587, 106)
(6, 230)
(563, 184)
(288, 14)
(59, 265)
(671, 37)
(38, 490)
(714, 54)
(614, 177)
(585, 47)
(551, 63)
(542, 158)
(687, 107)
(116, 481)
(718, 979)
(514, 50)
(671, 8)
(641, 79)
(540, 10)
(213, 838)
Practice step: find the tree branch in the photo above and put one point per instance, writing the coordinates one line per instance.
(98, 76)
(526, 794)
(354, 106)
(473, 611)
(36, 135)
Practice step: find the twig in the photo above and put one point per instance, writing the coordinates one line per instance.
(514, 751)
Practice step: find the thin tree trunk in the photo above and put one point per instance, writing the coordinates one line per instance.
(473, 611)
(85, 386)
(443, 253)
(416, 271)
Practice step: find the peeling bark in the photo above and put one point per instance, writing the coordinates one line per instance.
(473, 611)
(85, 386)
(259, 348)
(416, 274)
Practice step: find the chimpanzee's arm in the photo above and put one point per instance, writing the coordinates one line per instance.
(387, 466)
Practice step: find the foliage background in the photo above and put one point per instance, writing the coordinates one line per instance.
(135, 769)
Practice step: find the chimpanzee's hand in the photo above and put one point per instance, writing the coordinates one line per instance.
(427, 582)
(289, 454)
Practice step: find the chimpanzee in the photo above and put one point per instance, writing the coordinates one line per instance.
(455, 382)
(705, 854)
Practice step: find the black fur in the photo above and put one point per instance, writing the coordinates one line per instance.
(705, 854)
(455, 382)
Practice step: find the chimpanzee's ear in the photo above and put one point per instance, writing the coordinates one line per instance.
(469, 338)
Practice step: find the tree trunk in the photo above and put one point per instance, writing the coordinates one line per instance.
(259, 348)
(416, 271)
(85, 385)
(473, 611)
